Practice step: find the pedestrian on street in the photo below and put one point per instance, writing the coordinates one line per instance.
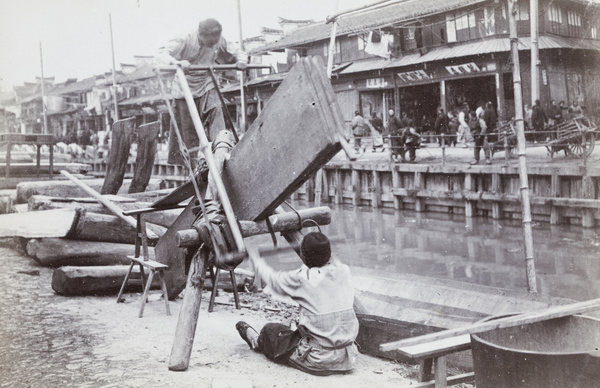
(453, 126)
(323, 343)
(358, 130)
(491, 121)
(575, 109)
(376, 126)
(395, 134)
(441, 125)
(478, 129)
(464, 135)
(411, 140)
(554, 114)
(538, 120)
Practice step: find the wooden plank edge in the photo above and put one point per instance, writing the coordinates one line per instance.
(451, 381)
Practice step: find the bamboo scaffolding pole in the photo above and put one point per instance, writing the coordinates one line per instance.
(525, 203)
(210, 161)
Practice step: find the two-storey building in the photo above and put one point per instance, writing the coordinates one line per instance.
(416, 55)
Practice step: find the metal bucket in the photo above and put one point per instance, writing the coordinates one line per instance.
(562, 352)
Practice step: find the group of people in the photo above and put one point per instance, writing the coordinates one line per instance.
(402, 134)
(538, 119)
(461, 126)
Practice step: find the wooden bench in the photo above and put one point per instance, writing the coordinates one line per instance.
(433, 355)
(141, 247)
(154, 267)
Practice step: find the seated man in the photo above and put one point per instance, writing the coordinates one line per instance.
(323, 343)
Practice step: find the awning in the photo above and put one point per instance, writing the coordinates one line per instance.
(483, 47)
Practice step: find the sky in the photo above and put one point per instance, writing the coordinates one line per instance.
(75, 40)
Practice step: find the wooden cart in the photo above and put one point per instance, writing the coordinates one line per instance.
(576, 136)
(505, 130)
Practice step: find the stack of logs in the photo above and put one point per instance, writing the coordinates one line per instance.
(62, 228)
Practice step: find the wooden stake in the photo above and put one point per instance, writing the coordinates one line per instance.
(188, 315)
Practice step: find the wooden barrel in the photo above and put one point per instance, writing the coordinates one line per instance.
(562, 352)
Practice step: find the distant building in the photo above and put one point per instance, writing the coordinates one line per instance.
(416, 55)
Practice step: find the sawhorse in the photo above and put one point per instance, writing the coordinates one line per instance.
(214, 275)
(141, 244)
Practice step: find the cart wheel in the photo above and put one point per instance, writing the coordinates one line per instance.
(576, 147)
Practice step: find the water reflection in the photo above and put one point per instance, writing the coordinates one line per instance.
(480, 251)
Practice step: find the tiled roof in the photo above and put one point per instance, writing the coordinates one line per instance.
(487, 46)
(144, 99)
(365, 20)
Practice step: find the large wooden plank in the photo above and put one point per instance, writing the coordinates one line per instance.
(500, 323)
(46, 223)
(297, 132)
(68, 189)
(122, 132)
(146, 153)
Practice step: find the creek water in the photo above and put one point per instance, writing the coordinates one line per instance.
(474, 250)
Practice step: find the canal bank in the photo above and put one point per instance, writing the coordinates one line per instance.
(563, 189)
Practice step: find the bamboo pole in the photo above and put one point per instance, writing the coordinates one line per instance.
(210, 161)
(242, 125)
(114, 71)
(525, 204)
(45, 115)
(535, 65)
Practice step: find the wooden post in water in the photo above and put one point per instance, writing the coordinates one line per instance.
(525, 205)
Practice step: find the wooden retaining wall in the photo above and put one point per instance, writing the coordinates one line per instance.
(558, 194)
(567, 194)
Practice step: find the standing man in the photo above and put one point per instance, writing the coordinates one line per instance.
(538, 120)
(575, 109)
(323, 344)
(464, 134)
(202, 46)
(395, 134)
(441, 124)
(358, 130)
(376, 132)
(554, 114)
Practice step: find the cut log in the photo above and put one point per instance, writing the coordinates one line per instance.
(164, 218)
(117, 211)
(67, 189)
(122, 132)
(107, 280)
(47, 223)
(146, 153)
(285, 222)
(96, 280)
(56, 252)
(102, 227)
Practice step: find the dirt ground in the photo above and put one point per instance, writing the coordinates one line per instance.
(48, 340)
